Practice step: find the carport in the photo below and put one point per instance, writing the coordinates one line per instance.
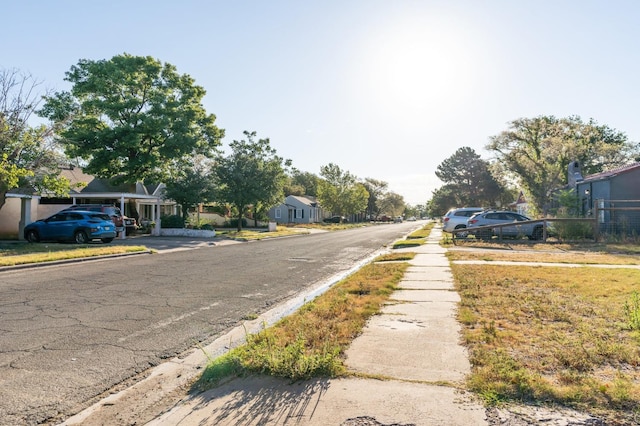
(123, 197)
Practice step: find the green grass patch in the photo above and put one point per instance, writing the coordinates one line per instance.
(312, 341)
(548, 335)
(12, 254)
(409, 243)
(416, 238)
(422, 233)
(395, 257)
(254, 235)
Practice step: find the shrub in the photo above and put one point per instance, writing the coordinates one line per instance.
(573, 230)
(173, 221)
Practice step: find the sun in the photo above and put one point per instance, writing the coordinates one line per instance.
(413, 66)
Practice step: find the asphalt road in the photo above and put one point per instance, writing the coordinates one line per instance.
(70, 333)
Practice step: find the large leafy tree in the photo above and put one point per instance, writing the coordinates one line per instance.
(132, 118)
(470, 178)
(537, 152)
(340, 192)
(251, 175)
(191, 185)
(28, 155)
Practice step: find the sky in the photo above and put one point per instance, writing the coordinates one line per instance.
(385, 89)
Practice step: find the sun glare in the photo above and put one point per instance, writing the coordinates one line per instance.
(412, 67)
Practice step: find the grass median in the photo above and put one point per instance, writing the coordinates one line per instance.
(312, 341)
(13, 253)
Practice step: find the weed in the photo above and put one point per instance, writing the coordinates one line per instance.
(632, 311)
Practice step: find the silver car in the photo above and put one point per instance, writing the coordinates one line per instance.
(457, 218)
(533, 231)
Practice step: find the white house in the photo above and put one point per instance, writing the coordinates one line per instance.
(297, 209)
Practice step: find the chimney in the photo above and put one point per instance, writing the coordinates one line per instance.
(574, 174)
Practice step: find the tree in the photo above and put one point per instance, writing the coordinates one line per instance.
(251, 175)
(191, 185)
(537, 152)
(442, 199)
(28, 155)
(340, 192)
(377, 189)
(391, 204)
(470, 178)
(132, 118)
(302, 183)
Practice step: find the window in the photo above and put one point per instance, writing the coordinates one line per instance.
(298, 214)
(278, 213)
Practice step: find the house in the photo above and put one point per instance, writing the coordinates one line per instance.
(521, 206)
(613, 196)
(297, 209)
(143, 202)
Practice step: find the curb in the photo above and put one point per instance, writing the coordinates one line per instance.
(67, 261)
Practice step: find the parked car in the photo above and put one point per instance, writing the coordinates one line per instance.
(533, 231)
(121, 221)
(335, 219)
(457, 218)
(398, 219)
(78, 226)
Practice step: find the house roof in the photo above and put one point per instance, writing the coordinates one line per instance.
(305, 199)
(610, 173)
(89, 186)
(82, 183)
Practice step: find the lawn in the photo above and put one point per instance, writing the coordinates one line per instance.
(546, 335)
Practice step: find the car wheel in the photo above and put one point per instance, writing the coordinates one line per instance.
(537, 234)
(81, 237)
(33, 237)
(107, 240)
(461, 234)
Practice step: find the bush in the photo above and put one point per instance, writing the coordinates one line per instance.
(573, 230)
(173, 221)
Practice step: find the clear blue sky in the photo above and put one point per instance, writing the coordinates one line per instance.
(385, 89)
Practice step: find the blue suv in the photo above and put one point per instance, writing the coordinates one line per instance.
(77, 226)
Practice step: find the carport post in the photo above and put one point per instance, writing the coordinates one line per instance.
(156, 213)
(123, 234)
(25, 216)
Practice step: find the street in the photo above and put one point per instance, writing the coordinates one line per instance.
(71, 333)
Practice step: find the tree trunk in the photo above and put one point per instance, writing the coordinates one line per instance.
(240, 210)
(3, 198)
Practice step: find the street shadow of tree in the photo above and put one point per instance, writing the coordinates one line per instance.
(260, 400)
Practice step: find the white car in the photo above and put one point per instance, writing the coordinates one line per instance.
(457, 218)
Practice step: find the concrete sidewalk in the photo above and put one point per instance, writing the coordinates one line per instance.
(412, 349)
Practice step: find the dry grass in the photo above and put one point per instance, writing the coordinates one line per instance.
(19, 254)
(312, 341)
(549, 256)
(551, 336)
(395, 257)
